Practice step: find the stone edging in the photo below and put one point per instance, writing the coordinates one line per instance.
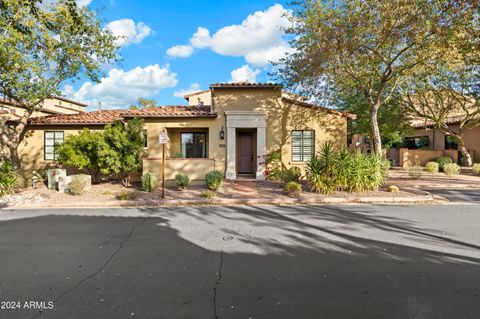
(418, 196)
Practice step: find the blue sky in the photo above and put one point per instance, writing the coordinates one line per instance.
(174, 47)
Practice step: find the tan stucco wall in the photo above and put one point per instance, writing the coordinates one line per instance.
(282, 118)
(31, 149)
(55, 106)
(201, 97)
(437, 140)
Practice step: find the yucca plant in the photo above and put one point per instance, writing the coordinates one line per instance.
(344, 168)
(314, 174)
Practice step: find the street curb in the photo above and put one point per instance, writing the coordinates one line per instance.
(419, 196)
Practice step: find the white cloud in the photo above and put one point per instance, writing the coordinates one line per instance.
(245, 74)
(180, 51)
(194, 87)
(260, 38)
(121, 88)
(127, 32)
(83, 3)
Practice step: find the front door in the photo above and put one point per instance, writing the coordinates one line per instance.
(245, 158)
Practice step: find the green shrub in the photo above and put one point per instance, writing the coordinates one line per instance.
(127, 195)
(414, 171)
(78, 185)
(149, 182)
(432, 167)
(393, 189)
(292, 188)
(476, 169)
(343, 170)
(182, 180)
(273, 165)
(292, 174)
(214, 180)
(442, 161)
(8, 178)
(208, 194)
(451, 169)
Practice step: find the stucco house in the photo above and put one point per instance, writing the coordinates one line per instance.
(229, 128)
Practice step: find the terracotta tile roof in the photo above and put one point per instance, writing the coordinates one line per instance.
(172, 111)
(109, 116)
(245, 85)
(96, 117)
(305, 104)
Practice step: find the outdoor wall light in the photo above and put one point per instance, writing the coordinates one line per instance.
(222, 133)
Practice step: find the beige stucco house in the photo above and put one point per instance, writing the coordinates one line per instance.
(229, 128)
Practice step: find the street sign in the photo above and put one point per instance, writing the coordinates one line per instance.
(163, 137)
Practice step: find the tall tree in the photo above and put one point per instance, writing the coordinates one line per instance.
(447, 102)
(41, 46)
(370, 46)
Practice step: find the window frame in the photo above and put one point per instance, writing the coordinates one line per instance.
(205, 155)
(54, 143)
(302, 145)
(413, 142)
(448, 144)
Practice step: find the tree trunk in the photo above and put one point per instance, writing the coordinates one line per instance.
(13, 149)
(377, 141)
(466, 155)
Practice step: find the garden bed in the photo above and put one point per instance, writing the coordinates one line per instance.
(237, 192)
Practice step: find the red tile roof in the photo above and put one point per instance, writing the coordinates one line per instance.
(245, 85)
(109, 116)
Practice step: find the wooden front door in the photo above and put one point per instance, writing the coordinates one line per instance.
(245, 156)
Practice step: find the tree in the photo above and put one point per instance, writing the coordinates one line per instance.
(370, 46)
(82, 151)
(393, 122)
(143, 103)
(41, 46)
(124, 155)
(443, 99)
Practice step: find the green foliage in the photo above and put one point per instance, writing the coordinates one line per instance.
(414, 171)
(293, 174)
(149, 182)
(83, 151)
(476, 169)
(342, 170)
(8, 178)
(292, 188)
(78, 185)
(214, 180)
(432, 167)
(182, 180)
(451, 169)
(442, 161)
(273, 163)
(364, 47)
(208, 194)
(125, 150)
(42, 44)
(127, 195)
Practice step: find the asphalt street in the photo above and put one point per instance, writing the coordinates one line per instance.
(418, 261)
(457, 195)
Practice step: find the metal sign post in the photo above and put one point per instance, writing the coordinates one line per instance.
(163, 139)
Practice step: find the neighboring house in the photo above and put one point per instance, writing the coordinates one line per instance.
(424, 137)
(230, 128)
(56, 105)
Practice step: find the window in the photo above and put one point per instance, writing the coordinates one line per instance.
(303, 145)
(416, 142)
(52, 138)
(451, 143)
(193, 145)
(145, 138)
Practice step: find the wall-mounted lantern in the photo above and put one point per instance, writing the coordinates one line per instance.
(222, 133)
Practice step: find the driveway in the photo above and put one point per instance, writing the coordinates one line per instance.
(243, 262)
(457, 195)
